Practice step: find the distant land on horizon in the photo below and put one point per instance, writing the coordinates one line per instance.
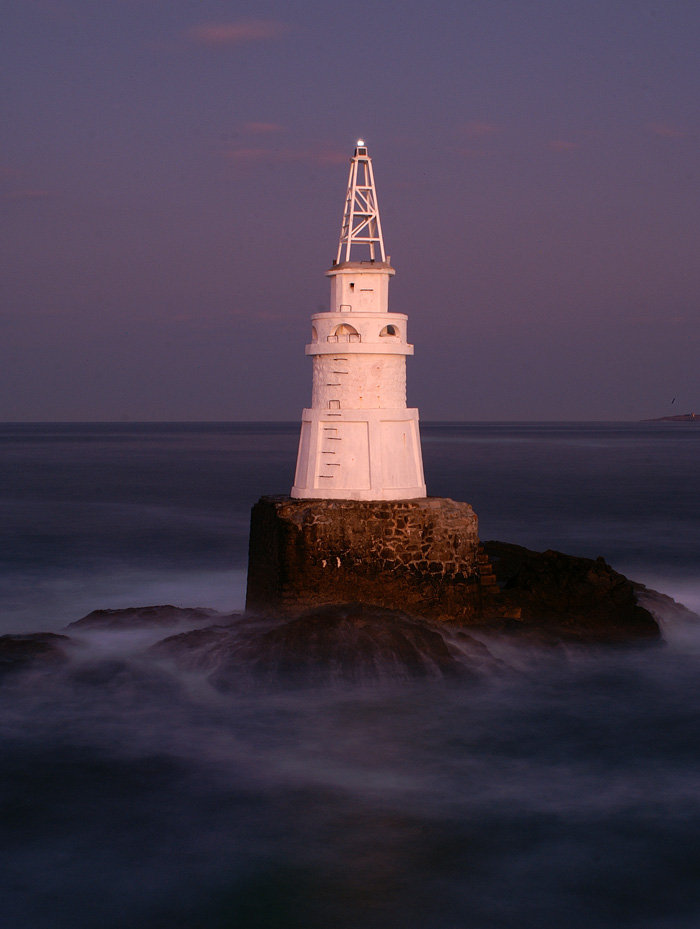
(681, 418)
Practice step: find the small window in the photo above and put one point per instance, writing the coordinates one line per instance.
(389, 330)
(314, 334)
(334, 404)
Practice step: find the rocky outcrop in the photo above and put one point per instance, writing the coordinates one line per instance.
(36, 649)
(541, 598)
(662, 607)
(339, 642)
(145, 616)
(419, 556)
(423, 558)
(573, 598)
(351, 641)
(348, 591)
(203, 650)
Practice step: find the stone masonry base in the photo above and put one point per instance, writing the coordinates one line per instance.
(420, 556)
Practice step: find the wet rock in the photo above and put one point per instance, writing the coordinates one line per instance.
(37, 649)
(125, 679)
(335, 642)
(145, 616)
(352, 641)
(572, 598)
(201, 649)
(662, 607)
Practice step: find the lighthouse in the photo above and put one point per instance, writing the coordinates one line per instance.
(359, 441)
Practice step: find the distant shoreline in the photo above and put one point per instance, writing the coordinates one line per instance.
(681, 418)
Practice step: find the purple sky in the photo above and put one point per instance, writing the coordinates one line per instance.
(172, 177)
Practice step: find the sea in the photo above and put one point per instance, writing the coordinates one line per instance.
(558, 788)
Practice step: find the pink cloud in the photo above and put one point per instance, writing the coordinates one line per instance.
(667, 131)
(479, 130)
(329, 157)
(261, 128)
(252, 30)
(561, 145)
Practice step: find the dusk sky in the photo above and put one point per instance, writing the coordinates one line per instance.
(172, 177)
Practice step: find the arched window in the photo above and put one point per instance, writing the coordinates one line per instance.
(389, 330)
(346, 333)
(314, 334)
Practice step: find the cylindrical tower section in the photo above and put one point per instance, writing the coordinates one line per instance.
(359, 382)
(387, 332)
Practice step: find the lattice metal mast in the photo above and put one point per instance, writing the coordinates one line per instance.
(361, 223)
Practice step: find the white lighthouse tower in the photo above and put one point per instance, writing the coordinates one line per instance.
(358, 440)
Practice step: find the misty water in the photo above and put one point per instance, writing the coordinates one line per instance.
(556, 787)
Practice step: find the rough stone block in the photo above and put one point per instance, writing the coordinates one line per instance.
(420, 556)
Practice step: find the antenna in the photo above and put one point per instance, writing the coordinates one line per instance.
(361, 223)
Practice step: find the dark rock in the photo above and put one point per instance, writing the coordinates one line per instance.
(574, 598)
(19, 652)
(143, 617)
(352, 641)
(662, 607)
(336, 642)
(137, 680)
(201, 649)
(423, 557)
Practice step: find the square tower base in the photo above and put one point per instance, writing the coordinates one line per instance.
(419, 556)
